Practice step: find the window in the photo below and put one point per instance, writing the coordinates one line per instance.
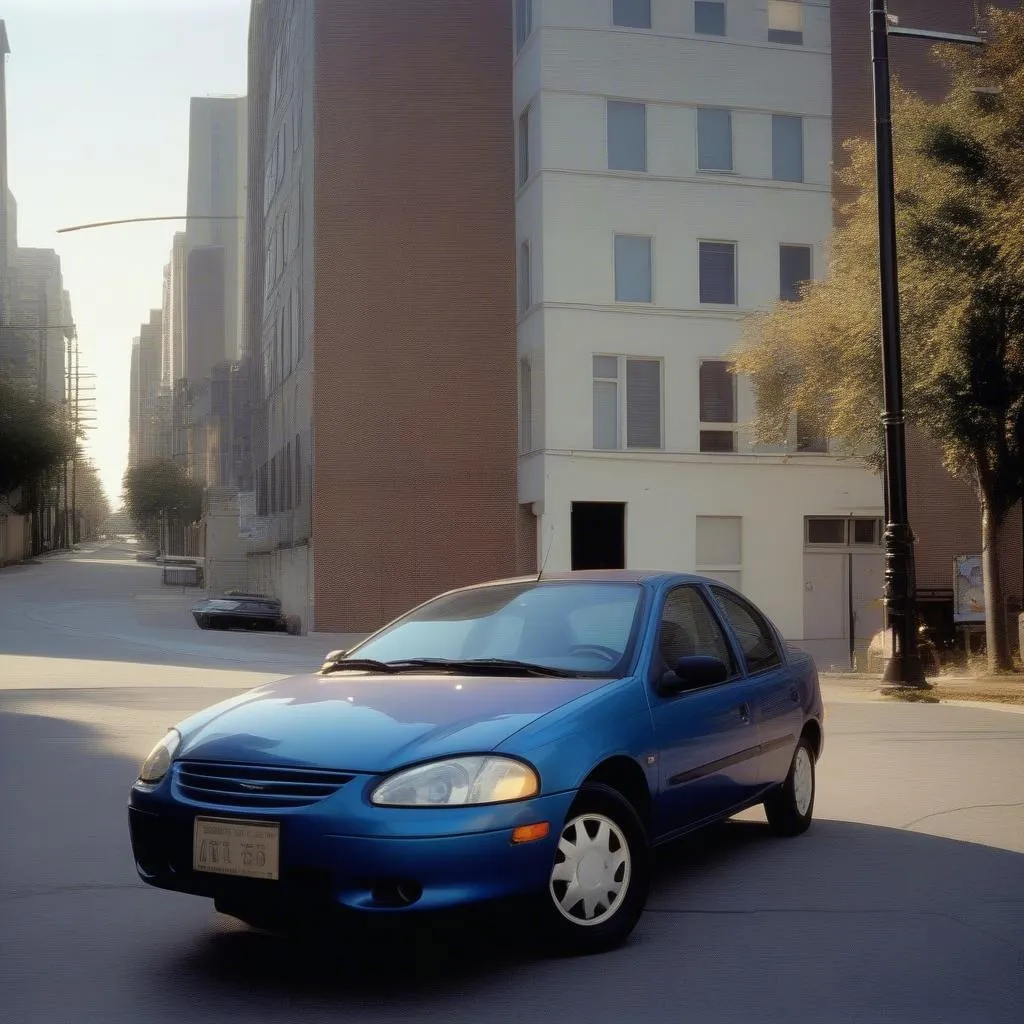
(720, 549)
(525, 406)
(809, 438)
(867, 531)
(287, 477)
(717, 267)
(714, 139)
(785, 22)
(787, 148)
(756, 638)
(826, 531)
(709, 18)
(842, 532)
(627, 136)
(717, 406)
(293, 305)
(524, 22)
(643, 403)
(525, 275)
(636, 407)
(606, 402)
(794, 270)
(633, 268)
(689, 628)
(631, 13)
(524, 168)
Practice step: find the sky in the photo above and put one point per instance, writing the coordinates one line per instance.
(97, 129)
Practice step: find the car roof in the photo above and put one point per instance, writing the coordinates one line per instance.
(602, 576)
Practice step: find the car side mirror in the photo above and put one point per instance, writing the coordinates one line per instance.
(693, 673)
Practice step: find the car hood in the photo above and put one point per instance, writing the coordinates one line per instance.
(372, 723)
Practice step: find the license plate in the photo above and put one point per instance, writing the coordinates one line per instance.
(249, 849)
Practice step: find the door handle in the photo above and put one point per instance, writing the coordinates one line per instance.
(745, 711)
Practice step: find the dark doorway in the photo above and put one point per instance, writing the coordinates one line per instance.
(598, 535)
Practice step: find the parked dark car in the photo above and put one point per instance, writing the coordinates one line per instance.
(241, 611)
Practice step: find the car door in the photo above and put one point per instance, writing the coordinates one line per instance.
(707, 738)
(775, 695)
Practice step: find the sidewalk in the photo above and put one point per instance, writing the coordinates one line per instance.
(1005, 690)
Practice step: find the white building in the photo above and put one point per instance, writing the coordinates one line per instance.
(673, 175)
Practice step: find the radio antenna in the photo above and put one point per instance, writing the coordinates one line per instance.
(544, 560)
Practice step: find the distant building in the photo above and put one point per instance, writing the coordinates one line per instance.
(211, 263)
(150, 401)
(38, 324)
(216, 211)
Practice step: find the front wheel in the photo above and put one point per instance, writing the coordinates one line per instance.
(791, 807)
(600, 876)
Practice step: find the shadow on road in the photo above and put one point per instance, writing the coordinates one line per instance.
(851, 922)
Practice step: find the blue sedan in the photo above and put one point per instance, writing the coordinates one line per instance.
(530, 738)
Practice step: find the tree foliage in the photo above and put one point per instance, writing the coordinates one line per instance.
(35, 438)
(959, 188)
(161, 489)
(90, 499)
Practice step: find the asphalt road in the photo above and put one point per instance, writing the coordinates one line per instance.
(905, 901)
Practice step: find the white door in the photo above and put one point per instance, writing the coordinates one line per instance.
(826, 619)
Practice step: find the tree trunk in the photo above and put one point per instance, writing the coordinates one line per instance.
(997, 642)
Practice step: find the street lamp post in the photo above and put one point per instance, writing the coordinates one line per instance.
(904, 667)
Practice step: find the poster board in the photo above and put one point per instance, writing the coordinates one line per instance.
(968, 590)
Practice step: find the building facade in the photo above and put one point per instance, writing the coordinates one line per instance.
(385, 412)
(612, 189)
(673, 176)
(149, 435)
(37, 324)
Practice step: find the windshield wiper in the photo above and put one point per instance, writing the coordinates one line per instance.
(358, 664)
(485, 666)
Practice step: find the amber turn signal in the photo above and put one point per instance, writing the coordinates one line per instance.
(531, 833)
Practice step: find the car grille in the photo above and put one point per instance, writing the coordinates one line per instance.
(244, 785)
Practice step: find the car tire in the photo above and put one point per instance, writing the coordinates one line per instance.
(791, 807)
(618, 873)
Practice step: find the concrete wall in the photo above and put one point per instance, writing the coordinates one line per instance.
(15, 539)
(286, 574)
(664, 495)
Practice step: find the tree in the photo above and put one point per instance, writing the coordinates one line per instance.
(35, 440)
(161, 490)
(959, 183)
(91, 500)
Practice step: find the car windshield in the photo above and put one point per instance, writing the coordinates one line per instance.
(578, 627)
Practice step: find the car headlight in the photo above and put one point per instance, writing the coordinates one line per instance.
(157, 765)
(459, 782)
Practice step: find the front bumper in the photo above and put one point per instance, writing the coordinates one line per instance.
(369, 859)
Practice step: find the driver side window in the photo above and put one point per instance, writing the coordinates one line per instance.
(754, 634)
(688, 628)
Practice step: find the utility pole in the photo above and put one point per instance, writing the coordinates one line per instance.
(904, 667)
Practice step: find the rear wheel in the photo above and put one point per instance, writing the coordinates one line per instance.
(598, 884)
(791, 807)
